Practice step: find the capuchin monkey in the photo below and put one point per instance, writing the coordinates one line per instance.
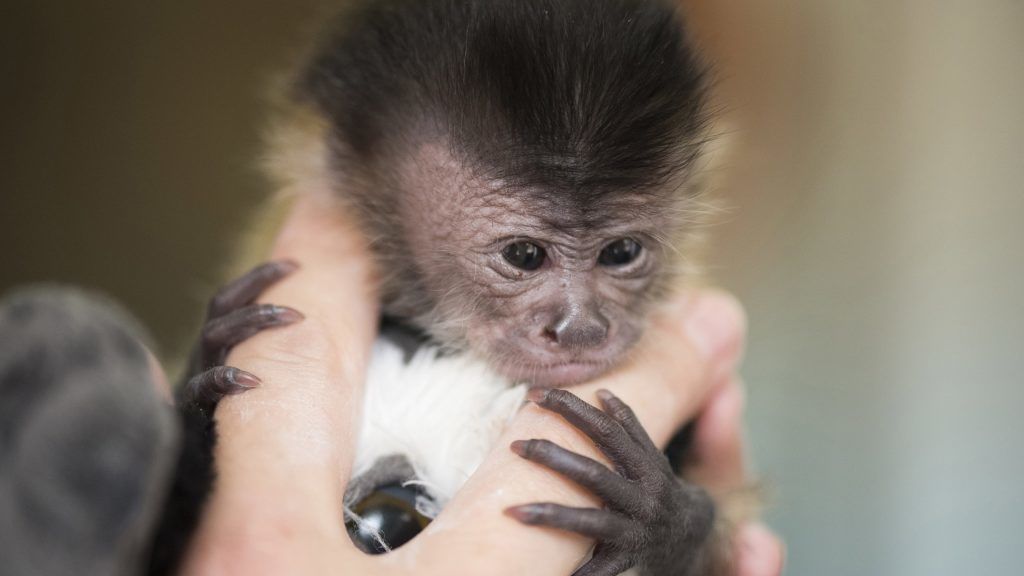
(527, 174)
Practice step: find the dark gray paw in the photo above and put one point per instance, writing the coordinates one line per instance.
(651, 518)
(86, 442)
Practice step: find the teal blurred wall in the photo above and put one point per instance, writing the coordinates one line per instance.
(876, 238)
(874, 233)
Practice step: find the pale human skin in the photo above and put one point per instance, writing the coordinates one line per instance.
(285, 447)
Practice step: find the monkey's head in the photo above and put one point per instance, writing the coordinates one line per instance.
(524, 168)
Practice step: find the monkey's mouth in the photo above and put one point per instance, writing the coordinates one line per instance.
(558, 375)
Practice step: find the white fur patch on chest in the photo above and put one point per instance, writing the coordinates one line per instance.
(443, 413)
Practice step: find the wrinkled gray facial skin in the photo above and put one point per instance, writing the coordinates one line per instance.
(564, 323)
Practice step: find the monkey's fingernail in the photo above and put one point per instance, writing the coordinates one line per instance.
(537, 395)
(605, 395)
(519, 447)
(246, 380)
(526, 514)
(286, 315)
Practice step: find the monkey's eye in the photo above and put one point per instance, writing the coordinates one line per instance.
(620, 253)
(524, 255)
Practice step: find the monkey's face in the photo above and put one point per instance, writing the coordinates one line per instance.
(555, 306)
(550, 289)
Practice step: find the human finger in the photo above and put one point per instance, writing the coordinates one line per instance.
(717, 458)
(759, 552)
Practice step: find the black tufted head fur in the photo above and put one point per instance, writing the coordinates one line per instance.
(587, 96)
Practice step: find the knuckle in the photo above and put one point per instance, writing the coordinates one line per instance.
(622, 412)
(209, 333)
(593, 474)
(224, 374)
(648, 505)
(544, 510)
(218, 303)
(699, 513)
(635, 537)
(539, 448)
(605, 428)
(656, 486)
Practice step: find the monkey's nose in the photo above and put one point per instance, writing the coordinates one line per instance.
(579, 329)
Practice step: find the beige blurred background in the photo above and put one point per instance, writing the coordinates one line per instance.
(874, 232)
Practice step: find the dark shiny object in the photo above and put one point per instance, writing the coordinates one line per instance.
(620, 253)
(391, 510)
(524, 255)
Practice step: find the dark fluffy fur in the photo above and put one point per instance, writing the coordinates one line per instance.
(576, 96)
(86, 442)
(570, 101)
(187, 494)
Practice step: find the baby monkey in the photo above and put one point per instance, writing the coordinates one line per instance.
(526, 173)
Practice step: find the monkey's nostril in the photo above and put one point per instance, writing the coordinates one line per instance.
(550, 335)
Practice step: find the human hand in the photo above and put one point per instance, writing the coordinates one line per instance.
(686, 368)
(719, 464)
(286, 447)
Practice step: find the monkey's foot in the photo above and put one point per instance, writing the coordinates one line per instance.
(651, 519)
(232, 318)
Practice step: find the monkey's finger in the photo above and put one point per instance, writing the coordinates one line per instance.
(605, 562)
(222, 334)
(616, 492)
(623, 414)
(601, 525)
(718, 458)
(247, 289)
(205, 390)
(606, 433)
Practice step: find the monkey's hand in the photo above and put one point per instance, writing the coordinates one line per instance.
(652, 520)
(231, 318)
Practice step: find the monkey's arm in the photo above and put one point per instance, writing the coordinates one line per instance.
(652, 520)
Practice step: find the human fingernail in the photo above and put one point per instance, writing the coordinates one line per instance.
(762, 553)
(714, 323)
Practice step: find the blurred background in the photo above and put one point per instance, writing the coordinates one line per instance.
(874, 232)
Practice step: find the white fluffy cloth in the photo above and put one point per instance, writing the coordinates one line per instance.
(444, 413)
